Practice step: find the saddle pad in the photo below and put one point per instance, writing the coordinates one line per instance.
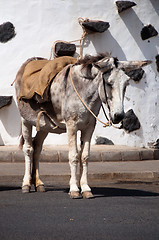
(39, 73)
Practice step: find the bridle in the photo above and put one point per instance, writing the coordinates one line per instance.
(106, 100)
(109, 123)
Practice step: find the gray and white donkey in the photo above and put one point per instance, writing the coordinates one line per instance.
(96, 79)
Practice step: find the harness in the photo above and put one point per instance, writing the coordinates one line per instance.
(107, 124)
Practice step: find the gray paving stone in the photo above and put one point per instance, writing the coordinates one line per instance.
(147, 154)
(111, 156)
(18, 156)
(63, 156)
(95, 156)
(130, 155)
(156, 153)
(5, 156)
(49, 156)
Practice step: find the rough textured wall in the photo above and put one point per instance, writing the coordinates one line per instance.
(36, 24)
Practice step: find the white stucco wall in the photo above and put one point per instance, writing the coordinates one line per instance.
(39, 23)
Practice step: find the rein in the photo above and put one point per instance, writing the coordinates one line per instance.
(104, 124)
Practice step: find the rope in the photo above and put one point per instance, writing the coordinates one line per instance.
(80, 20)
(105, 113)
(53, 53)
(13, 82)
(105, 124)
(37, 121)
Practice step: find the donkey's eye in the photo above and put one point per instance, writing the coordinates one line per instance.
(127, 83)
(109, 84)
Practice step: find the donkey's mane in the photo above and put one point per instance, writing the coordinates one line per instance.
(88, 59)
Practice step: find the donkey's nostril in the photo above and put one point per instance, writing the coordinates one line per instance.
(118, 117)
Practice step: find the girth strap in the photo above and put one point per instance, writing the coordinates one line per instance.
(38, 119)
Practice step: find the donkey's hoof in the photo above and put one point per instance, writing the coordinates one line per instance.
(40, 188)
(26, 189)
(87, 195)
(75, 195)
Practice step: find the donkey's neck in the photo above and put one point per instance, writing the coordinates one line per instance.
(89, 72)
(88, 80)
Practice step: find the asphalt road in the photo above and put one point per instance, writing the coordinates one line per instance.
(118, 212)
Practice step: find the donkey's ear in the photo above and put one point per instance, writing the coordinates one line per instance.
(99, 65)
(104, 64)
(132, 65)
(96, 65)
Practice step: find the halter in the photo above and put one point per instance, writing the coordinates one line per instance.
(106, 99)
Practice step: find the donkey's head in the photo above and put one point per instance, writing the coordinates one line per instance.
(114, 81)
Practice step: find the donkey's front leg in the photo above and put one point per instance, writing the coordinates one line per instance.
(73, 159)
(28, 153)
(85, 153)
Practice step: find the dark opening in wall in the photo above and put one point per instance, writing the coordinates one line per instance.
(156, 144)
(157, 62)
(148, 32)
(136, 75)
(130, 122)
(7, 32)
(65, 49)
(103, 141)
(124, 5)
(5, 101)
(96, 26)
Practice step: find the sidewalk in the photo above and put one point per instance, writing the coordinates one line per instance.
(107, 163)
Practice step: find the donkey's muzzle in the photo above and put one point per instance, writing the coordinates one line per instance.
(118, 117)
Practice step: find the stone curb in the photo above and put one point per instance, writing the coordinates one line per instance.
(100, 153)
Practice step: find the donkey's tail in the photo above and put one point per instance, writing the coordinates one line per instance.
(21, 138)
(21, 142)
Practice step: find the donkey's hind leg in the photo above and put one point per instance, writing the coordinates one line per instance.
(85, 153)
(37, 144)
(28, 153)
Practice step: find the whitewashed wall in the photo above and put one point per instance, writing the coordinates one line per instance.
(39, 23)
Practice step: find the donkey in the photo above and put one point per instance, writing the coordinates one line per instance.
(76, 96)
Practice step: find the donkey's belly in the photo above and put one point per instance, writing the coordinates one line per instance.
(40, 118)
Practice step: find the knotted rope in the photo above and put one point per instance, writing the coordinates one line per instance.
(80, 20)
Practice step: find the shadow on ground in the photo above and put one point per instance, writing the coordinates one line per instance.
(100, 192)
(9, 188)
(119, 192)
